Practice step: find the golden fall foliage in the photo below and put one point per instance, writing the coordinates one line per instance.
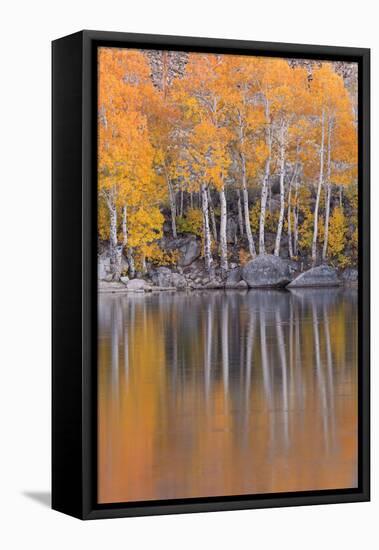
(228, 125)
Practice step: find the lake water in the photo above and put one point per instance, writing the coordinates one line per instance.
(226, 393)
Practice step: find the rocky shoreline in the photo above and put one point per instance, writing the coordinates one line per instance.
(264, 272)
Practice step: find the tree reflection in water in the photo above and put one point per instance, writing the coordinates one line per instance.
(215, 393)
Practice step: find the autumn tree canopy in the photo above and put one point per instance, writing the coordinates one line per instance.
(220, 141)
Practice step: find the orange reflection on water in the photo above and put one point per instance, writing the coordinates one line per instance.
(213, 393)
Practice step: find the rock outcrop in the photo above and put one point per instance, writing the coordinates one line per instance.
(104, 266)
(189, 248)
(163, 277)
(350, 276)
(322, 275)
(138, 285)
(234, 279)
(266, 271)
(104, 263)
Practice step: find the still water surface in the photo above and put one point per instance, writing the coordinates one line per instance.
(214, 393)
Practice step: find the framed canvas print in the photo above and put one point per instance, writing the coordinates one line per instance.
(210, 275)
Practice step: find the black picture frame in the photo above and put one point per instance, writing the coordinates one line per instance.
(74, 274)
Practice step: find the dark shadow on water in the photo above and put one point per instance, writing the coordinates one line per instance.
(41, 497)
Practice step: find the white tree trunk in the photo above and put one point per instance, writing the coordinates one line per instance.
(208, 260)
(115, 251)
(124, 224)
(212, 214)
(296, 220)
(327, 217)
(240, 217)
(223, 241)
(320, 181)
(245, 196)
(125, 247)
(117, 274)
(327, 195)
(171, 193)
(262, 217)
(289, 221)
(113, 232)
(181, 203)
(295, 232)
(124, 227)
(143, 264)
(282, 174)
